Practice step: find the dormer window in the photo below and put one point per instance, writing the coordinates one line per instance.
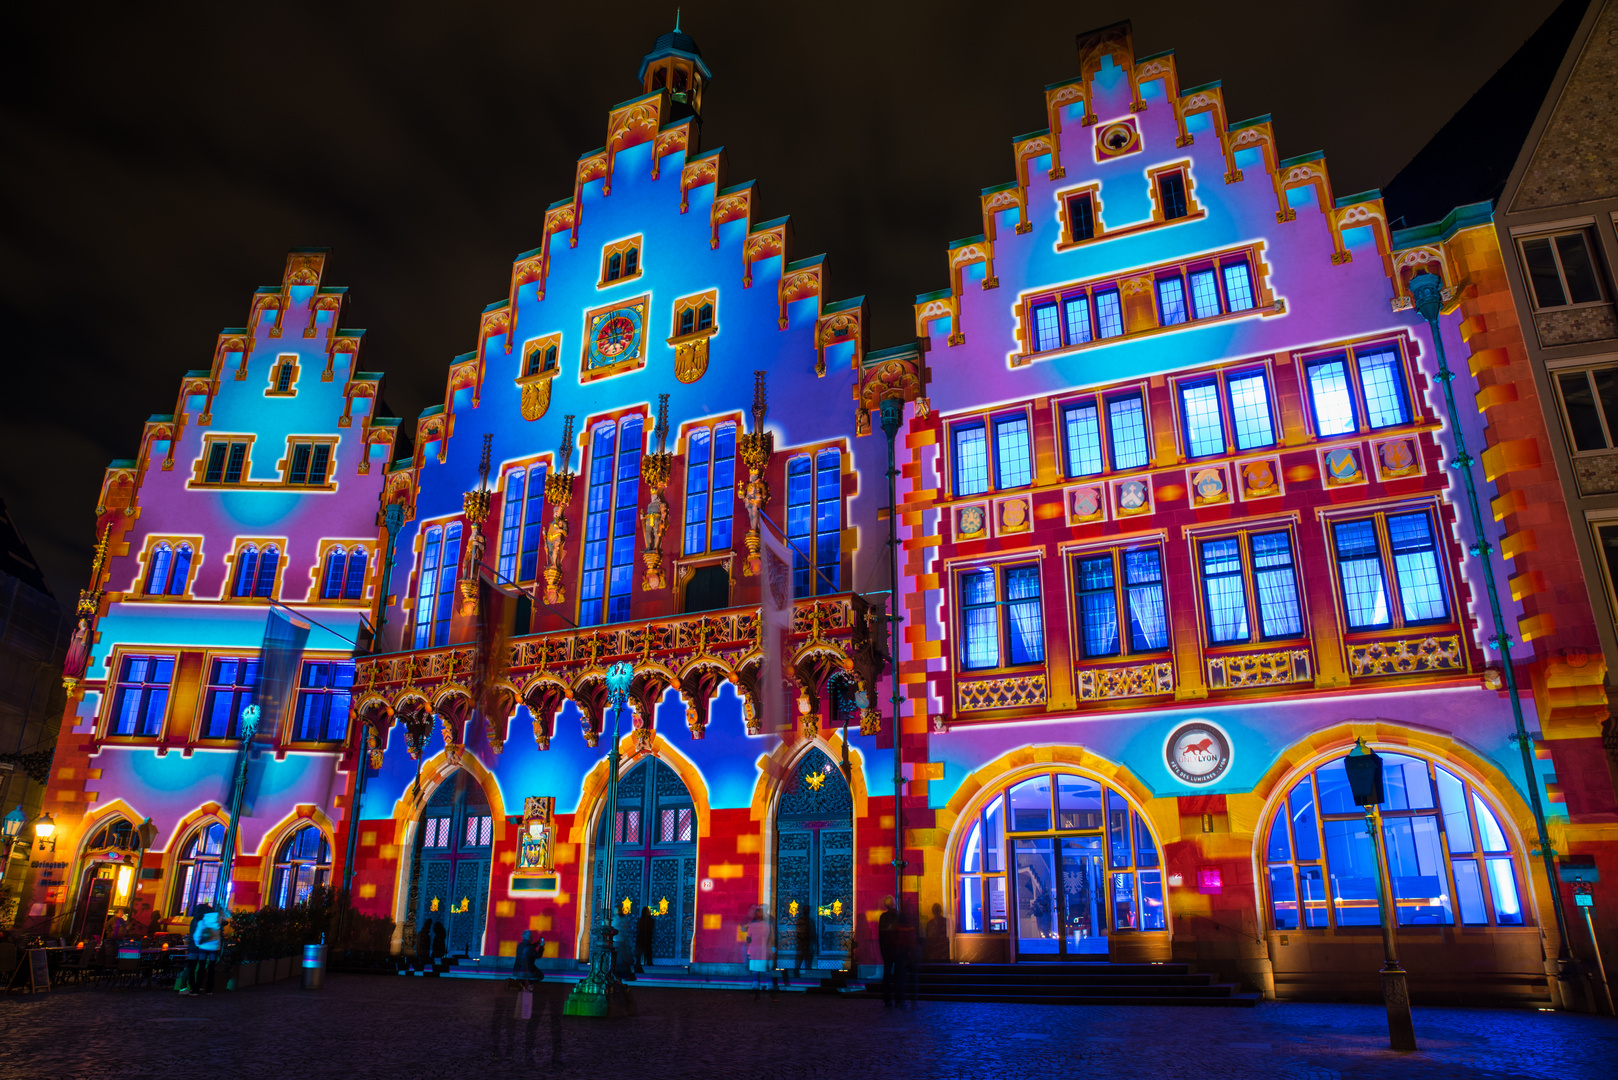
(687, 321)
(679, 80)
(620, 261)
(695, 314)
(540, 358)
(283, 377)
(705, 317)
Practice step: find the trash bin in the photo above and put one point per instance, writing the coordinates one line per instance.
(314, 967)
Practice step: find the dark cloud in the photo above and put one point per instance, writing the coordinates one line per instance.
(156, 161)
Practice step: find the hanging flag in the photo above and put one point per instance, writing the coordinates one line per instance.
(280, 660)
(497, 614)
(777, 689)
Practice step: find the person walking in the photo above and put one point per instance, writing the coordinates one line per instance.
(645, 935)
(207, 939)
(804, 932)
(887, 942)
(519, 1003)
(758, 951)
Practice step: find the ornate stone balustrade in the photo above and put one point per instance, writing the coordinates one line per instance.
(1140, 680)
(694, 654)
(1243, 671)
(1407, 656)
(1009, 692)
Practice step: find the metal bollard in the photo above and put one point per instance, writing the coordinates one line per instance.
(314, 967)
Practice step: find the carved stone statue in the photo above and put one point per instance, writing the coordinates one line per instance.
(653, 521)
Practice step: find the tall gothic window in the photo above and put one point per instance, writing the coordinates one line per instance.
(611, 514)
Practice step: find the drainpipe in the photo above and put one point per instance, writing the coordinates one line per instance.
(1426, 293)
(892, 417)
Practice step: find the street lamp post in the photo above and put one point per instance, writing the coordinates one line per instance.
(602, 993)
(1427, 296)
(1364, 768)
(892, 413)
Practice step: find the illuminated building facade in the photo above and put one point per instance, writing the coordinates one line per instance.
(1180, 528)
(634, 418)
(1176, 526)
(260, 489)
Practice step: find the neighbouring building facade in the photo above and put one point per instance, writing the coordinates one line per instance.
(260, 489)
(1179, 528)
(1176, 525)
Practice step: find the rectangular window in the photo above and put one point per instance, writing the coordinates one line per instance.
(511, 524)
(1204, 294)
(1199, 413)
(1077, 313)
(533, 526)
(440, 559)
(698, 447)
(1329, 394)
(1047, 328)
(1143, 594)
(1359, 566)
(1250, 410)
(1012, 467)
(1001, 618)
(814, 522)
(1109, 314)
(309, 462)
(1280, 614)
(1083, 428)
(141, 700)
(722, 497)
(1143, 610)
(1126, 425)
(1591, 401)
(611, 523)
(225, 461)
(1383, 384)
(1224, 590)
(1098, 606)
(1415, 568)
(1171, 301)
(1171, 194)
(1561, 270)
(323, 698)
(1081, 218)
(1238, 287)
(971, 459)
(231, 682)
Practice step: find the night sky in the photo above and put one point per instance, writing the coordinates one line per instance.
(157, 161)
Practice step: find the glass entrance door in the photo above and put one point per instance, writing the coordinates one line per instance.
(1084, 905)
(1038, 905)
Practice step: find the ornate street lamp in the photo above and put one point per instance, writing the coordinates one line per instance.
(602, 993)
(1364, 768)
(45, 828)
(14, 822)
(1427, 297)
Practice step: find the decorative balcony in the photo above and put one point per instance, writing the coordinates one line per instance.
(831, 637)
(1250, 670)
(1406, 656)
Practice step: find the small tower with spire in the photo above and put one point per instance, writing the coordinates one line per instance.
(675, 64)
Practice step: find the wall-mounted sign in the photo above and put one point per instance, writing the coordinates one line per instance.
(1197, 753)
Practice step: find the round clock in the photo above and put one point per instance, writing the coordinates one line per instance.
(615, 336)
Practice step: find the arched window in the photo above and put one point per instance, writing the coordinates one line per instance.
(687, 321)
(1060, 862)
(303, 862)
(705, 317)
(1443, 845)
(550, 358)
(246, 568)
(660, 79)
(354, 583)
(267, 561)
(332, 586)
(196, 873)
(615, 266)
(679, 80)
(157, 577)
(118, 833)
(631, 262)
(181, 574)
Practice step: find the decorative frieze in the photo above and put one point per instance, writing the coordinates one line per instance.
(1142, 680)
(1011, 692)
(1244, 671)
(1406, 657)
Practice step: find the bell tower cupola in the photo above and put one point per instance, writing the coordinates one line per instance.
(675, 64)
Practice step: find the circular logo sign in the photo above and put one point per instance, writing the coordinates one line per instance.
(1198, 753)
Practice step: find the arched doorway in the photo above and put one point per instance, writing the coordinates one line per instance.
(1056, 865)
(457, 842)
(814, 857)
(107, 877)
(655, 861)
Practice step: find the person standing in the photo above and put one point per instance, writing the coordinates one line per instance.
(645, 935)
(887, 942)
(440, 940)
(938, 935)
(758, 950)
(208, 938)
(804, 932)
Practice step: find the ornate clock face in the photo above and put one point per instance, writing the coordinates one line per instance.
(613, 336)
(616, 336)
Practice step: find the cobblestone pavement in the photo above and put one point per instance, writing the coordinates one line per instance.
(364, 1026)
